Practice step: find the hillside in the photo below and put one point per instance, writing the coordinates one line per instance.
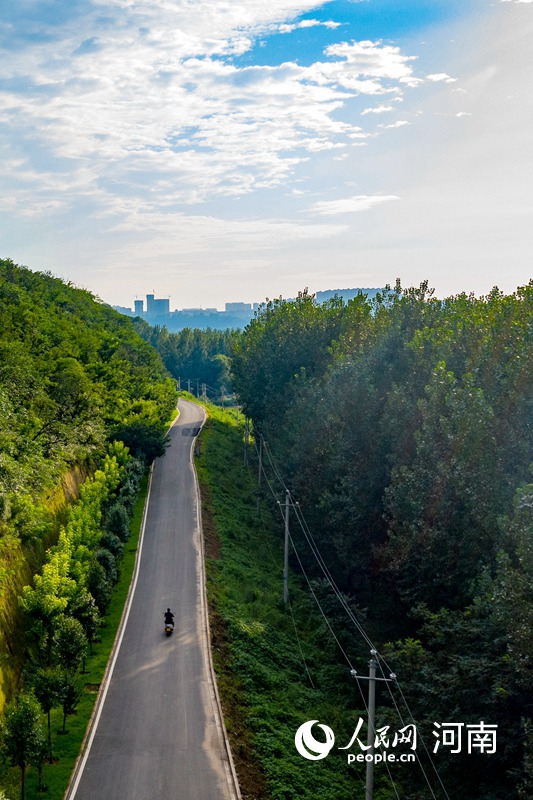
(74, 376)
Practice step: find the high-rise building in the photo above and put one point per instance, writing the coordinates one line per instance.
(156, 306)
(138, 307)
(238, 308)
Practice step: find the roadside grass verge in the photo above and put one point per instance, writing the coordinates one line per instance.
(66, 747)
(275, 669)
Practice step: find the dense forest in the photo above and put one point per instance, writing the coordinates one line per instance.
(77, 383)
(193, 356)
(404, 427)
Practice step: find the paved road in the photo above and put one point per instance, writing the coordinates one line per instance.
(159, 733)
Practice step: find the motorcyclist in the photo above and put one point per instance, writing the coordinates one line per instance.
(169, 617)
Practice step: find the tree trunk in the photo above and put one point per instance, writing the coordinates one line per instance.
(50, 754)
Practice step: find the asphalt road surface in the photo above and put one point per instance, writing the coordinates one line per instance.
(158, 734)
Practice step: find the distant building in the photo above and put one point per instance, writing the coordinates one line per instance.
(197, 311)
(155, 306)
(138, 307)
(238, 308)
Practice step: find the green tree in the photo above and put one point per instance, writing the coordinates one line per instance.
(70, 691)
(69, 644)
(22, 734)
(46, 684)
(84, 609)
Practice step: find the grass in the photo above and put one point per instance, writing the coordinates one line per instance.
(67, 747)
(275, 670)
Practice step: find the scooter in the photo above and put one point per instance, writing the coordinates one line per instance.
(168, 629)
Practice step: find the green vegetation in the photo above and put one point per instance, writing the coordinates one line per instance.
(404, 427)
(74, 376)
(84, 406)
(65, 748)
(195, 355)
(275, 669)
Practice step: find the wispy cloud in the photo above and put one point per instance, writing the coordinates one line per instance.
(398, 124)
(350, 205)
(308, 23)
(377, 110)
(439, 77)
(168, 131)
(147, 101)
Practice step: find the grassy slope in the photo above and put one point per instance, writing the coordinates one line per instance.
(67, 747)
(265, 689)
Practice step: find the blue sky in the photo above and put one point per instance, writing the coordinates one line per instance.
(219, 151)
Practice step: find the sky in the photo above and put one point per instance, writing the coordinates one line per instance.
(239, 150)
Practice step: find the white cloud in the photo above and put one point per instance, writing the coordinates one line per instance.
(374, 60)
(377, 110)
(150, 104)
(308, 23)
(400, 123)
(350, 205)
(439, 77)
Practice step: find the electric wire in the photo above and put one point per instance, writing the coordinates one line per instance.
(421, 766)
(330, 580)
(300, 646)
(322, 564)
(317, 601)
(340, 648)
(381, 660)
(431, 761)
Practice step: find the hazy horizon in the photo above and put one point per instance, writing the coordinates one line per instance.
(221, 152)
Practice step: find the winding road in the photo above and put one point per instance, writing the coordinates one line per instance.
(157, 732)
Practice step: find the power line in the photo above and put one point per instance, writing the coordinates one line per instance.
(340, 597)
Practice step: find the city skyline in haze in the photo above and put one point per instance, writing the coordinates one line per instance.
(216, 151)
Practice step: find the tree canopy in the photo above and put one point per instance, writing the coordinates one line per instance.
(405, 429)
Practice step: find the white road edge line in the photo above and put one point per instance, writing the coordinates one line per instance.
(108, 674)
(231, 773)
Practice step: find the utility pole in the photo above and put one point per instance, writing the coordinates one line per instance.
(259, 474)
(197, 388)
(371, 740)
(246, 434)
(369, 784)
(179, 384)
(189, 385)
(204, 391)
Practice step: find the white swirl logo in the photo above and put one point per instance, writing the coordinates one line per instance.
(307, 745)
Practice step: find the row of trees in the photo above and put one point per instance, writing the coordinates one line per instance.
(405, 427)
(195, 355)
(64, 607)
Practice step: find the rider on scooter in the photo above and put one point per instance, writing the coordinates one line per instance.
(169, 617)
